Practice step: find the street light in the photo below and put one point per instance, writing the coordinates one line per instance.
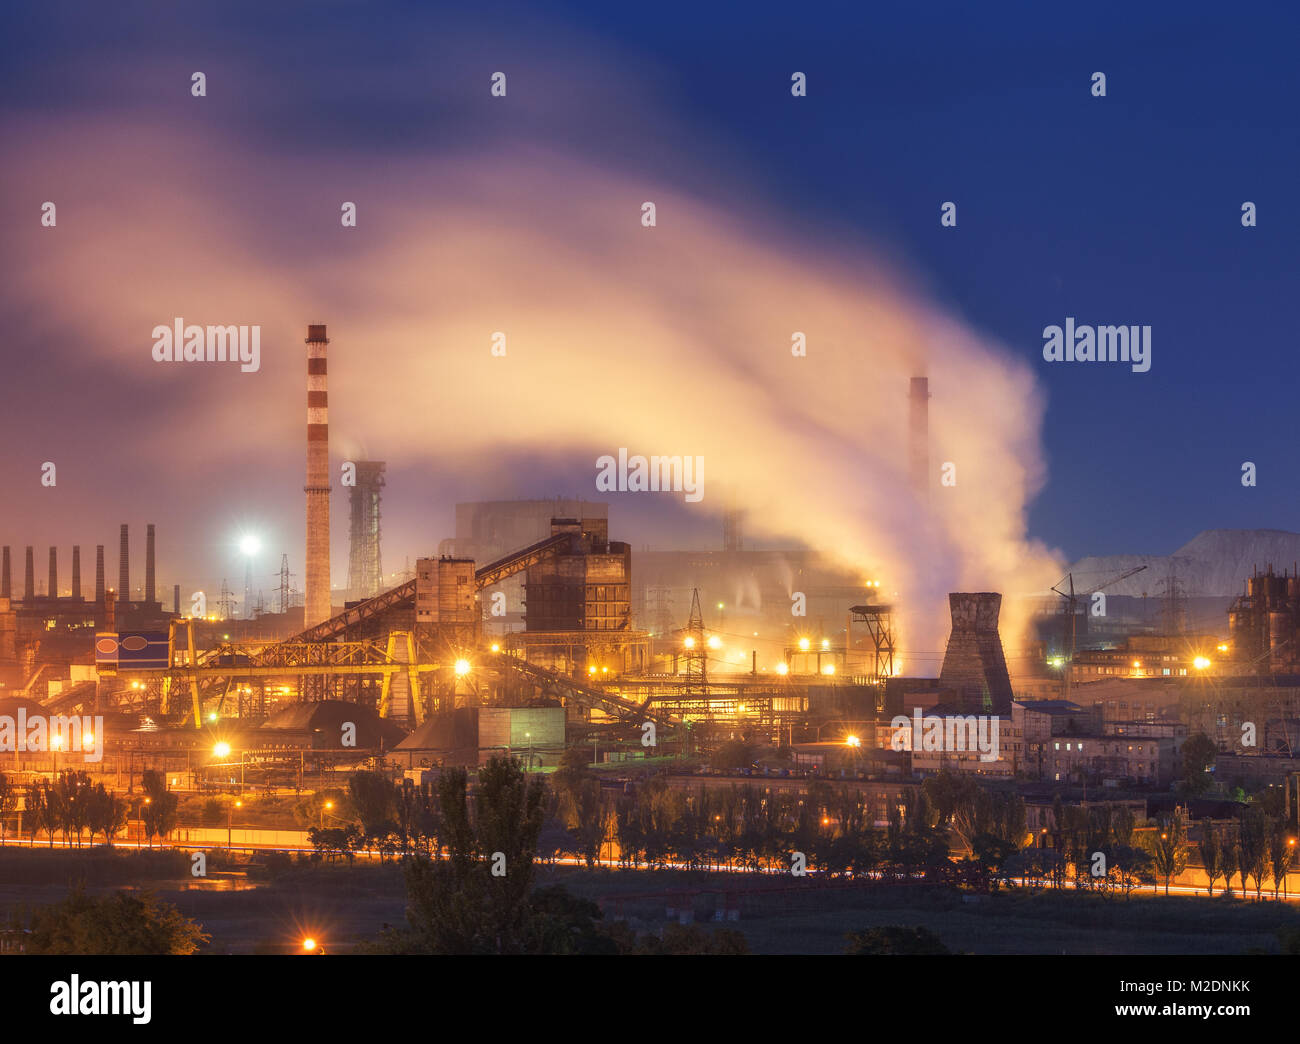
(230, 820)
(462, 668)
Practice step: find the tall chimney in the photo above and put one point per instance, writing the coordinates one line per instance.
(76, 572)
(6, 582)
(29, 579)
(124, 569)
(99, 574)
(317, 606)
(53, 590)
(919, 437)
(176, 599)
(148, 564)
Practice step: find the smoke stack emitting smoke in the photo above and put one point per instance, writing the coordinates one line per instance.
(701, 308)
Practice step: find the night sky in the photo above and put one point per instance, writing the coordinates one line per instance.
(1117, 210)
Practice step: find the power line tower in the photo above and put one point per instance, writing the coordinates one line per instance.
(227, 598)
(1174, 597)
(661, 618)
(284, 583)
(697, 671)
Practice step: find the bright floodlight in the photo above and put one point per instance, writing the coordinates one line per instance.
(782, 668)
(714, 642)
(462, 668)
(1200, 663)
(689, 643)
(803, 644)
(828, 669)
(853, 741)
(309, 944)
(222, 749)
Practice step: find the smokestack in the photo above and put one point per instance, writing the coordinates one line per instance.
(99, 574)
(148, 564)
(124, 569)
(733, 524)
(53, 591)
(76, 571)
(6, 583)
(919, 437)
(317, 605)
(29, 578)
(176, 599)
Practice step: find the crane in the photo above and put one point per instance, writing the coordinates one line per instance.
(1071, 607)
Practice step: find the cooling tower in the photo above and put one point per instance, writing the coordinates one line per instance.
(974, 666)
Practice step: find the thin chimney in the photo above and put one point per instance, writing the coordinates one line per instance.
(76, 572)
(99, 574)
(53, 591)
(124, 569)
(29, 577)
(317, 608)
(6, 582)
(148, 564)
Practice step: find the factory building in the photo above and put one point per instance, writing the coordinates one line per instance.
(1264, 624)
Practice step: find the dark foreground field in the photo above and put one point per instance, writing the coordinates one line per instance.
(261, 909)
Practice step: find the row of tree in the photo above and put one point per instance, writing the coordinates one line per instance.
(73, 806)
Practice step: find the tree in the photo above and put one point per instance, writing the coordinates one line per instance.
(1199, 753)
(105, 813)
(335, 841)
(690, 939)
(374, 800)
(1211, 853)
(733, 754)
(8, 801)
(1253, 832)
(1281, 852)
(477, 900)
(893, 939)
(124, 923)
(159, 810)
(1169, 847)
(36, 811)
(45, 801)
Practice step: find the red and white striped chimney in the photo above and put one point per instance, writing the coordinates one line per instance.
(317, 598)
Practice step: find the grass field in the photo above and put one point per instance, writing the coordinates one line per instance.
(250, 909)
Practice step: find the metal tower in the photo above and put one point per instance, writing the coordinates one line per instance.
(365, 569)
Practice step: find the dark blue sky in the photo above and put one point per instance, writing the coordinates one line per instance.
(1115, 210)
